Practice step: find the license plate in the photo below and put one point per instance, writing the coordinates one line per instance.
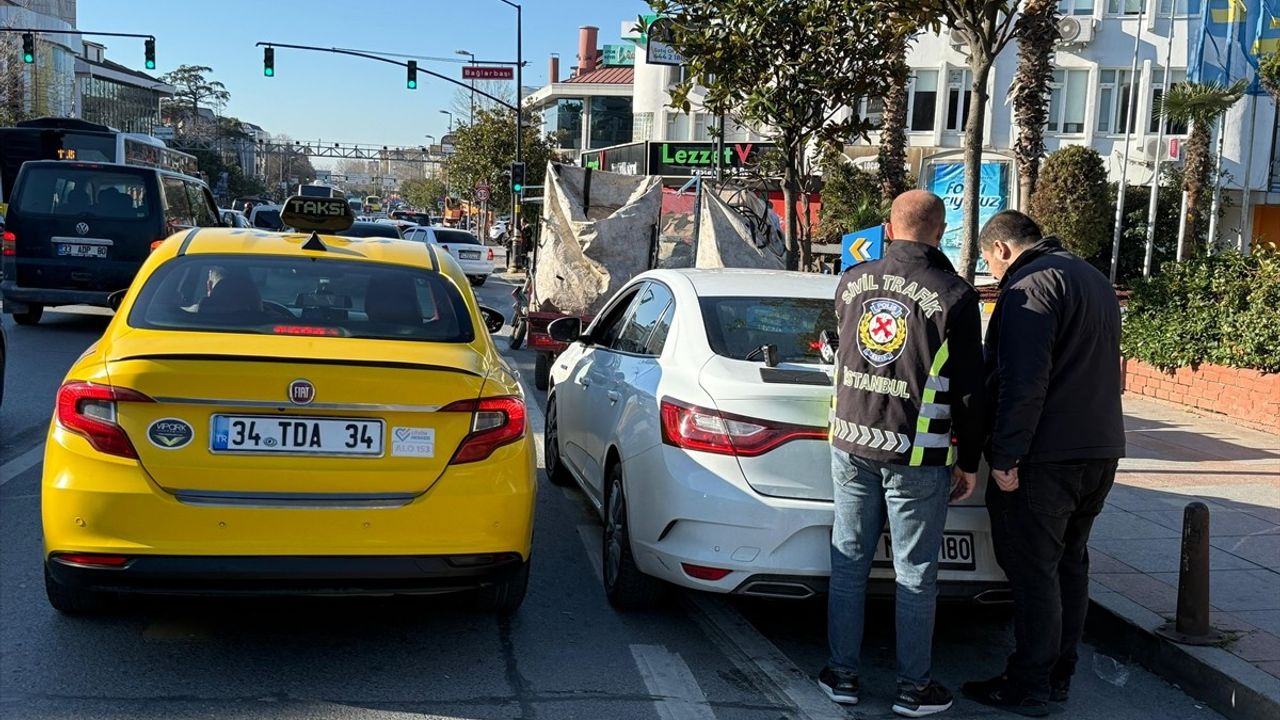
(469, 254)
(83, 251)
(296, 435)
(956, 552)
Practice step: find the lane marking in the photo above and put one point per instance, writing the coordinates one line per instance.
(771, 671)
(677, 695)
(19, 465)
(593, 540)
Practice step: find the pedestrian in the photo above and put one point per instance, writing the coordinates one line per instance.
(1057, 433)
(906, 439)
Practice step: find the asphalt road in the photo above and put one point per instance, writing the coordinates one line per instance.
(567, 654)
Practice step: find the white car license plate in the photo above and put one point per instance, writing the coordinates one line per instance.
(469, 254)
(79, 250)
(956, 552)
(291, 435)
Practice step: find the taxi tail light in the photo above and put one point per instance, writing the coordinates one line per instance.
(695, 428)
(92, 560)
(704, 572)
(10, 244)
(495, 422)
(90, 411)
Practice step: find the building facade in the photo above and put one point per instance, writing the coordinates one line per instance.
(45, 88)
(111, 94)
(592, 107)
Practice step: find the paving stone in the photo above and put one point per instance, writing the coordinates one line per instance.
(1129, 526)
(1100, 562)
(1221, 523)
(1155, 555)
(1261, 549)
(1268, 620)
(1256, 646)
(1145, 590)
(1272, 668)
(1236, 590)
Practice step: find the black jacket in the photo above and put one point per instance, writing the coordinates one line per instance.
(909, 363)
(1053, 362)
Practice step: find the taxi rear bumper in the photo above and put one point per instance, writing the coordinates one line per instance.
(286, 575)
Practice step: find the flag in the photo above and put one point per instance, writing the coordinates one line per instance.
(1226, 49)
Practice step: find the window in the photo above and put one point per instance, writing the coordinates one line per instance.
(1067, 100)
(1078, 7)
(642, 127)
(872, 110)
(177, 211)
(608, 325)
(611, 121)
(658, 339)
(923, 100)
(704, 126)
(1113, 102)
(735, 132)
(1124, 7)
(677, 126)
(568, 123)
(739, 326)
(1157, 96)
(1182, 8)
(201, 210)
(454, 237)
(958, 86)
(308, 297)
(88, 193)
(643, 319)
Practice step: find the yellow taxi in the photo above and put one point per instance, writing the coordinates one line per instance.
(291, 413)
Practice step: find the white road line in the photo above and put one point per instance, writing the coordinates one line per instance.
(759, 659)
(21, 464)
(677, 695)
(592, 539)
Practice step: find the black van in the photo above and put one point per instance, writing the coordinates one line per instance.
(77, 232)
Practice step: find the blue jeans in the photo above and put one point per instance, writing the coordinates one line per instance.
(915, 500)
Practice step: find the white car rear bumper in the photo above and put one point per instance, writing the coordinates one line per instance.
(696, 508)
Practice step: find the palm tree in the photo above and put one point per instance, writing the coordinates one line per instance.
(1198, 105)
(892, 157)
(1037, 31)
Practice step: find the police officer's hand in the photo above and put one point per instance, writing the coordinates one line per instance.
(962, 484)
(1007, 480)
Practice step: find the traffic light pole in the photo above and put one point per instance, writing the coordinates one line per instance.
(515, 197)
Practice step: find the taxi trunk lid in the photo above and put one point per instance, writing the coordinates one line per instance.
(374, 427)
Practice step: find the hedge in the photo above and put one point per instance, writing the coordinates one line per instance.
(1223, 310)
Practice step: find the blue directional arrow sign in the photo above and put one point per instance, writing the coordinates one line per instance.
(863, 246)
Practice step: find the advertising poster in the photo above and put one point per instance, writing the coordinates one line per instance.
(948, 184)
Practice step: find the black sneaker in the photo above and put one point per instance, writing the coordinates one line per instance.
(1059, 690)
(840, 686)
(998, 692)
(919, 702)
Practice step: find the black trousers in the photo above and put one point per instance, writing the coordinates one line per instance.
(1041, 535)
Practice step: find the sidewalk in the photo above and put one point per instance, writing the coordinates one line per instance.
(1176, 457)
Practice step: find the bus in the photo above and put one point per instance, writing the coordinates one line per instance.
(71, 139)
(324, 191)
(373, 204)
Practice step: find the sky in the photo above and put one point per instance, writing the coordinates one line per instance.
(335, 98)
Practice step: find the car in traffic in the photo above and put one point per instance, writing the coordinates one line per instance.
(234, 219)
(77, 232)
(693, 413)
(266, 217)
(366, 229)
(401, 225)
(476, 259)
(290, 413)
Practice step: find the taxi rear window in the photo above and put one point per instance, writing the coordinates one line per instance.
(271, 295)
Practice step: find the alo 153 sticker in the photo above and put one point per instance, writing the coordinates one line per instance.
(170, 433)
(413, 442)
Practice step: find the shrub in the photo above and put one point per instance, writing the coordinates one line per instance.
(1223, 309)
(1071, 200)
(850, 200)
(1133, 240)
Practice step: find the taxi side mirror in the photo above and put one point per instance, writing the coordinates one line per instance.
(493, 320)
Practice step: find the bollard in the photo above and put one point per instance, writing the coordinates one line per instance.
(1191, 624)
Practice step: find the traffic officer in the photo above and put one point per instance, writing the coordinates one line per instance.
(905, 441)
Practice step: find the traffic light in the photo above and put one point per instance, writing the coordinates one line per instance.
(28, 48)
(517, 177)
(269, 62)
(412, 81)
(151, 53)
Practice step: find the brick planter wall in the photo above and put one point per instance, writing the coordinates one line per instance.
(1248, 397)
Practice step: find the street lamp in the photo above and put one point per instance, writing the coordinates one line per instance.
(471, 119)
(446, 112)
(515, 202)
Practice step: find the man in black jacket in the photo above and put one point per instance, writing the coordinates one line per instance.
(908, 371)
(1057, 433)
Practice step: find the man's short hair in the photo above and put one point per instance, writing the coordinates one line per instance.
(1011, 228)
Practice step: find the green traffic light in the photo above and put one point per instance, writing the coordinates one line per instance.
(517, 187)
(28, 58)
(151, 64)
(269, 72)
(413, 84)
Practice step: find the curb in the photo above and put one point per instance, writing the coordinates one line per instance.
(1221, 680)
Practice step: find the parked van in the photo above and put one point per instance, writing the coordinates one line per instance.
(77, 232)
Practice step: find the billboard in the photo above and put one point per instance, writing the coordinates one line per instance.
(948, 183)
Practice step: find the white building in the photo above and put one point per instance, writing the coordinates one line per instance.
(49, 82)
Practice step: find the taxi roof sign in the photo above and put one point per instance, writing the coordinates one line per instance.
(317, 214)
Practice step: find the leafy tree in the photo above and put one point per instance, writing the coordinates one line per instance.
(423, 193)
(1071, 199)
(892, 157)
(193, 89)
(851, 199)
(1199, 105)
(1037, 32)
(1133, 240)
(484, 151)
(789, 68)
(986, 27)
(13, 86)
(1269, 74)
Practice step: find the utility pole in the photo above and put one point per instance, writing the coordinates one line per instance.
(1131, 120)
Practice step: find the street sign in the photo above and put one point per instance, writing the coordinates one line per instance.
(487, 72)
(862, 246)
(482, 191)
(658, 49)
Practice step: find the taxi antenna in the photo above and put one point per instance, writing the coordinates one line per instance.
(315, 243)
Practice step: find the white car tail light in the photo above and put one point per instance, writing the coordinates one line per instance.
(695, 428)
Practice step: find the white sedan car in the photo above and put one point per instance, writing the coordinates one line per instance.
(693, 413)
(476, 259)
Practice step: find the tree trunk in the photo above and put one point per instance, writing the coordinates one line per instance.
(1037, 30)
(790, 187)
(980, 65)
(1198, 176)
(892, 158)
